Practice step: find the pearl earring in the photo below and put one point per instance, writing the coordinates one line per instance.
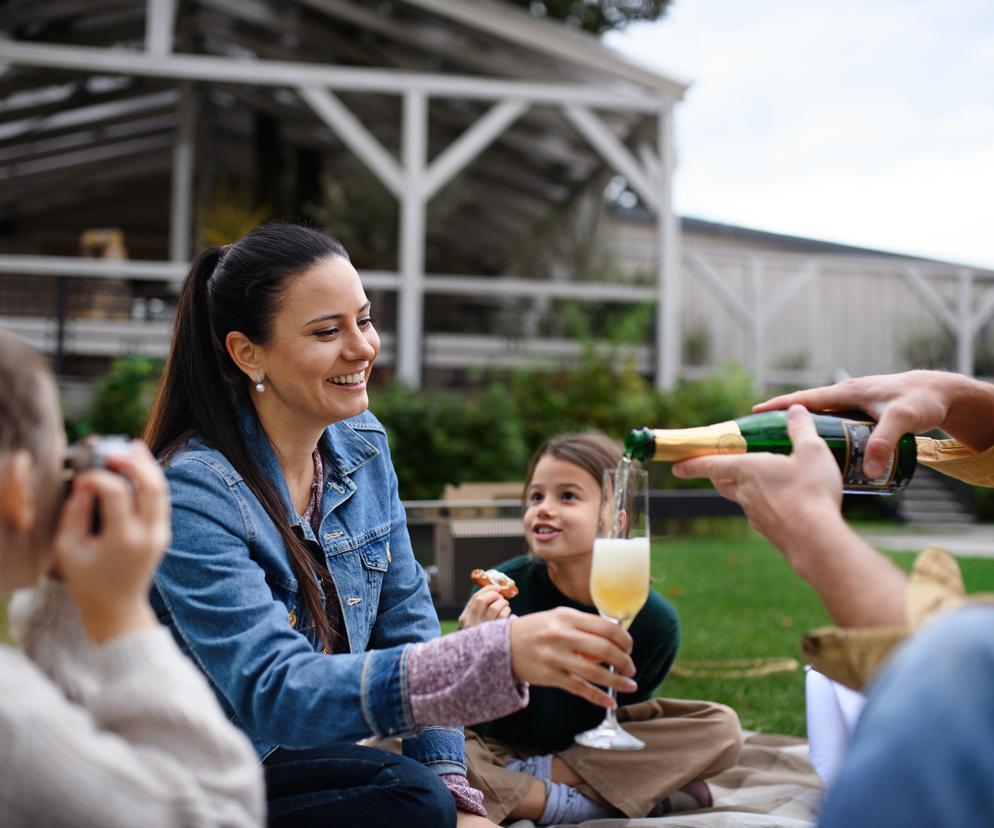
(258, 383)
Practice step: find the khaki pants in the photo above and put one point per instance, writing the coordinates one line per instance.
(684, 741)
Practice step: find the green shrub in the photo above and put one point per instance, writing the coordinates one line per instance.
(725, 395)
(442, 437)
(122, 398)
(604, 392)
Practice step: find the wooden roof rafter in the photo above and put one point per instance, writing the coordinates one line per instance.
(521, 75)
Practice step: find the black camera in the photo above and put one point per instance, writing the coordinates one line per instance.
(92, 453)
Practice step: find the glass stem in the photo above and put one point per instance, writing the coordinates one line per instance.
(611, 718)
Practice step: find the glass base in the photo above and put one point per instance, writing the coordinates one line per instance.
(606, 737)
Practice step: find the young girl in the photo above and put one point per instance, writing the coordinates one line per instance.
(102, 720)
(526, 763)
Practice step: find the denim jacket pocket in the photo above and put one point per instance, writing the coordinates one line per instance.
(374, 565)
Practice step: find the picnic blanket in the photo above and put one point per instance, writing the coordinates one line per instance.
(772, 786)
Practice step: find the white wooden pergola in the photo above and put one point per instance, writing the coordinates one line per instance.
(608, 87)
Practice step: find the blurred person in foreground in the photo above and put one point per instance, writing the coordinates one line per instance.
(922, 753)
(103, 722)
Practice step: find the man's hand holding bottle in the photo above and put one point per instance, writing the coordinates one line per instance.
(912, 402)
(785, 497)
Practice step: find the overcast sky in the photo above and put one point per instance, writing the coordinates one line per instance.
(867, 122)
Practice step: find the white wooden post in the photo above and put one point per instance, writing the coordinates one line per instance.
(754, 301)
(755, 311)
(652, 179)
(410, 300)
(160, 16)
(181, 197)
(962, 324)
(964, 329)
(669, 355)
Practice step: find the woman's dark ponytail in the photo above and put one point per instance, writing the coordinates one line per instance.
(236, 288)
(192, 391)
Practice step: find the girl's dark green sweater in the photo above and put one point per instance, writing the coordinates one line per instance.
(554, 716)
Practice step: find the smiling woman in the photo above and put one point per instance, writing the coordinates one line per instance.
(291, 581)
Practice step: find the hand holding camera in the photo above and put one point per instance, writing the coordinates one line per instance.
(112, 533)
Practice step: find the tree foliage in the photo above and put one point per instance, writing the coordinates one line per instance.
(122, 398)
(597, 16)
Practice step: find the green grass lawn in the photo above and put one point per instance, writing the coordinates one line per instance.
(738, 599)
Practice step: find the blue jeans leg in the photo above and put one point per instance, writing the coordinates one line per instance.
(922, 754)
(348, 786)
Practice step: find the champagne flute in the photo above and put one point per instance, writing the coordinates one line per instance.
(619, 575)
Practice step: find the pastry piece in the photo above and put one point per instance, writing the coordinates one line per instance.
(506, 585)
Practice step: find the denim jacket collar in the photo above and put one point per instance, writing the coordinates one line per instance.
(344, 448)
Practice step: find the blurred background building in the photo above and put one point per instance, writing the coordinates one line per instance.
(502, 181)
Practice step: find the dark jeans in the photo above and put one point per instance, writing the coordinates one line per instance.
(348, 786)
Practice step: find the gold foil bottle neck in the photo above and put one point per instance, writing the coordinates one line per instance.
(675, 444)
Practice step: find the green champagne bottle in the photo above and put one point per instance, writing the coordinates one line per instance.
(846, 435)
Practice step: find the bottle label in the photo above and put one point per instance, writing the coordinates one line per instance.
(853, 477)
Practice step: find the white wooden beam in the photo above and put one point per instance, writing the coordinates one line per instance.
(798, 282)
(614, 152)
(456, 284)
(754, 312)
(160, 18)
(87, 115)
(928, 297)
(410, 302)
(736, 308)
(181, 195)
(90, 155)
(653, 166)
(537, 288)
(470, 144)
(984, 311)
(964, 330)
(340, 120)
(668, 274)
(98, 268)
(215, 68)
(57, 144)
(754, 327)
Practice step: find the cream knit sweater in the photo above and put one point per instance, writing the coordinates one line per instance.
(123, 734)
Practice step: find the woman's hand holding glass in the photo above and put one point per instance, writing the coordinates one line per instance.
(566, 648)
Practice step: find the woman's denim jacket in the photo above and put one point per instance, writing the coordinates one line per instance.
(230, 597)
